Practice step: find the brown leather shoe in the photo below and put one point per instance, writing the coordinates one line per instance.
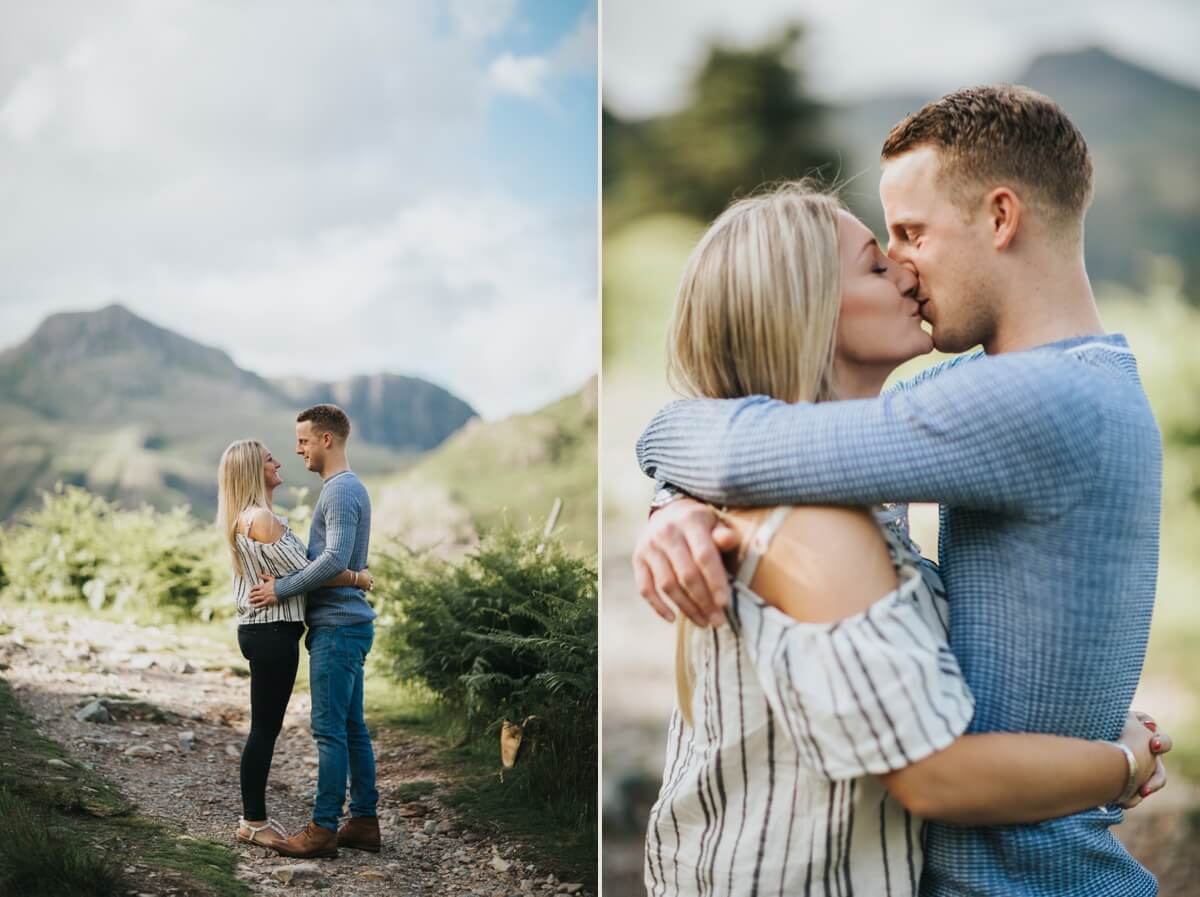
(360, 833)
(310, 842)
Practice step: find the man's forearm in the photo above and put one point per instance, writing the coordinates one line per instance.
(998, 434)
(328, 564)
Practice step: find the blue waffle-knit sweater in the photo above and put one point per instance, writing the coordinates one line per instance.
(337, 540)
(1047, 465)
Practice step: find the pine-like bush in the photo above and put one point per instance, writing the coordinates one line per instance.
(508, 633)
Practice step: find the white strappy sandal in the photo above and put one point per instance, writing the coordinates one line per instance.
(256, 830)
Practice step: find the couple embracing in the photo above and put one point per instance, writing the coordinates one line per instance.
(852, 718)
(280, 587)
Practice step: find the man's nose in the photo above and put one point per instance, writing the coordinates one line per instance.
(908, 281)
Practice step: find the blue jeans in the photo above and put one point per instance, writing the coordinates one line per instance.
(335, 662)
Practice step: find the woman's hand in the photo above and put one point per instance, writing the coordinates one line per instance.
(365, 580)
(1141, 736)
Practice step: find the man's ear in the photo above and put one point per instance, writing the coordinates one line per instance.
(1003, 209)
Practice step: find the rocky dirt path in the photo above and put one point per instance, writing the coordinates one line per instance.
(179, 706)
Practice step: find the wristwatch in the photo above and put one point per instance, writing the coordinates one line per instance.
(663, 496)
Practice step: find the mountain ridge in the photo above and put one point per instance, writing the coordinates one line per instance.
(140, 413)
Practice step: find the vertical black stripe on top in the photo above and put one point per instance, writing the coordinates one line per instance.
(887, 875)
(841, 718)
(648, 863)
(720, 740)
(916, 711)
(879, 702)
(908, 842)
(796, 699)
(812, 856)
(687, 762)
(762, 838)
(839, 834)
(737, 840)
(711, 691)
(829, 832)
(668, 786)
(652, 836)
(799, 738)
(787, 844)
(701, 782)
(849, 837)
(862, 710)
(934, 703)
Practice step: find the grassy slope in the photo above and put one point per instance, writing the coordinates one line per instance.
(516, 467)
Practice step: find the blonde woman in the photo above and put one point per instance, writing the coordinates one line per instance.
(824, 715)
(260, 543)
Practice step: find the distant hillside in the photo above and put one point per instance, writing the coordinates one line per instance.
(1143, 131)
(489, 471)
(135, 412)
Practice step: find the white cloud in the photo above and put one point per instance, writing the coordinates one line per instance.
(577, 51)
(479, 19)
(520, 76)
(529, 77)
(475, 291)
(28, 107)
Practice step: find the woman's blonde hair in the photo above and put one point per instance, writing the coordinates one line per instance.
(241, 483)
(756, 314)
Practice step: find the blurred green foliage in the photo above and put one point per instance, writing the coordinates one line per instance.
(747, 121)
(80, 547)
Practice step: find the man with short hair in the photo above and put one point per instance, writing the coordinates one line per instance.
(340, 633)
(1042, 452)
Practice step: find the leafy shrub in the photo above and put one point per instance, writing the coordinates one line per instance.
(509, 632)
(80, 547)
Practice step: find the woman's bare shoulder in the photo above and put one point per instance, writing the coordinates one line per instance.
(823, 564)
(261, 525)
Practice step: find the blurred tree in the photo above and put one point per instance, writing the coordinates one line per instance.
(747, 121)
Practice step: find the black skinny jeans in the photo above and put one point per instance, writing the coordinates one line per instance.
(273, 650)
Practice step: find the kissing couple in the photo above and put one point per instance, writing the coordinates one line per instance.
(853, 718)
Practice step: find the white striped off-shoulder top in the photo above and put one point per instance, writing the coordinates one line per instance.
(283, 556)
(773, 792)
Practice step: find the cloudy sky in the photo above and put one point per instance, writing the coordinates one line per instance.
(860, 48)
(319, 189)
